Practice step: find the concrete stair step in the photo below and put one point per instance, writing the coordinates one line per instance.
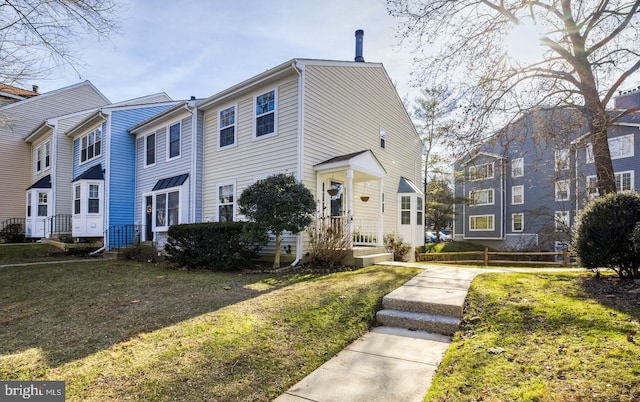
(434, 323)
(445, 302)
(372, 259)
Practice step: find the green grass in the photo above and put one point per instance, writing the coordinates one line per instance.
(533, 337)
(141, 332)
(30, 252)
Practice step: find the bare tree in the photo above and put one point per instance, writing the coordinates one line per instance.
(35, 34)
(588, 50)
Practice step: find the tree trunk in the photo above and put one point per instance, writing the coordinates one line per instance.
(276, 259)
(602, 158)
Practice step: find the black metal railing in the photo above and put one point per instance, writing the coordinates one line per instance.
(58, 224)
(118, 236)
(13, 221)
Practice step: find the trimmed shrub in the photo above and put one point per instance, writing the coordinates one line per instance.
(141, 253)
(12, 233)
(603, 238)
(217, 246)
(396, 245)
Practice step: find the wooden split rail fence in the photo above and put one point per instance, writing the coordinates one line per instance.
(486, 257)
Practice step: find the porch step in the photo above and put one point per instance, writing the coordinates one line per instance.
(371, 259)
(439, 324)
(360, 251)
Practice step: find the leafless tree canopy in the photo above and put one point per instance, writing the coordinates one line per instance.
(589, 48)
(35, 34)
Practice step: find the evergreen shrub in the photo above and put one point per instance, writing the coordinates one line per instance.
(603, 238)
(217, 246)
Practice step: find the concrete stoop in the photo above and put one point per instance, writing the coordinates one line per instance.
(431, 302)
(372, 259)
(437, 324)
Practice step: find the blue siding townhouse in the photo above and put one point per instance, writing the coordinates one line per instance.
(104, 171)
(526, 185)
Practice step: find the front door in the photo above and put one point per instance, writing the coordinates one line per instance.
(336, 200)
(148, 221)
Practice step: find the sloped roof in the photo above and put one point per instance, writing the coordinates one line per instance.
(11, 90)
(93, 173)
(406, 186)
(45, 182)
(170, 182)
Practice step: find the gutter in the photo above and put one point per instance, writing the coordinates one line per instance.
(300, 169)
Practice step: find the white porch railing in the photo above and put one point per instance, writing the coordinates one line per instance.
(365, 233)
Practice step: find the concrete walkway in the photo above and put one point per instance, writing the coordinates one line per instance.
(391, 363)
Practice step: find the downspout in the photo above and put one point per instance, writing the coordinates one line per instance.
(54, 179)
(300, 168)
(107, 178)
(194, 147)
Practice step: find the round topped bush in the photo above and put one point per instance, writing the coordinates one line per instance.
(603, 236)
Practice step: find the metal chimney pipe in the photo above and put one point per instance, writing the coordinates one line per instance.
(359, 37)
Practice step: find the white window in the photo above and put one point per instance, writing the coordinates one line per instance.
(517, 167)
(405, 210)
(479, 172)
(167, 209)
(226, 202)
(38, 159)
(76, 199)
(517, 195)
(265, 119)
(481, 197)
(91, 145)
(28, 204)
(227, 127)
(93, 201)
(589, 153)
(517, 222)
(624, 181)
(481, 222)
(173, 141)
(150, 149)
(562, 190)
(562, 220)
(621, 147)
(47, 154)
(562, 159)
(43, 208)
(592, 186)
(419, 216)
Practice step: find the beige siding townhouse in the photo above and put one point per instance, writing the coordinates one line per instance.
(49, 197)
(17, 121)
(339, 127)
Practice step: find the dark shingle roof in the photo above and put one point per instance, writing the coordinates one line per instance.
(45, 182)
(170, 182)
(94, 173)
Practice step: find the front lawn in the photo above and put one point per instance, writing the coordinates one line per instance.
(544, 337)
(141, 332)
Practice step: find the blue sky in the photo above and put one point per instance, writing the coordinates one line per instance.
(198, 47)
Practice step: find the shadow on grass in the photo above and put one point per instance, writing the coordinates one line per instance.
(70, 311)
